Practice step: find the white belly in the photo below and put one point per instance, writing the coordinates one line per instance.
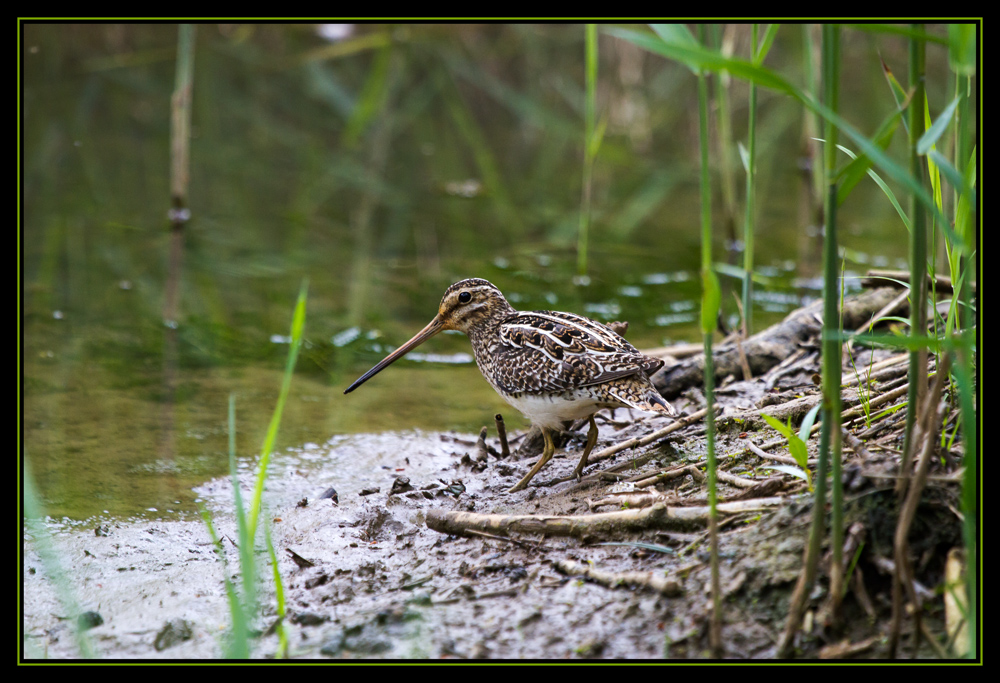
(551, 411)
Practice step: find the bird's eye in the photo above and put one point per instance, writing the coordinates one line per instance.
(464, 298)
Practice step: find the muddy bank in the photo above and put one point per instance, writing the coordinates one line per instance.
(378, 581)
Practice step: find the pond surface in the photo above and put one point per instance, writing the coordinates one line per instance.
(380, 164)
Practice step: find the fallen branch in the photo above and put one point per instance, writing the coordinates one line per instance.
(768, 348)
(607, 524)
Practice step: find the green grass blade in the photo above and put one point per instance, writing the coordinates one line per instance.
(766, 43)
(49, 558)
(852, 173)
(778, 425)
(900, 30)
(794, 471)
(711, 300)
(698, 57)
(957, 180)
(807, 422)
(936, 129)
(238, 643)
(962, 48)
(248, 568)
(886, 190)
(373, 94)
(298, 324)
(279, 591)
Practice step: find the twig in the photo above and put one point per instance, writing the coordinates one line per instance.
(631, 500)
(734, 480)
(876, 402)
(777, 458)
(886, 310)
(846, 649)
(676, 351)
(483, 450)
(882, 424)
(500, 538)
(679, 423)
(861, 593)
(932, 639)
(607, 474)
(856, 445)
(886, 369)
(786, 367)
(651, 580)
(180, 145)
(509, 593)
(667, 475)
(924, 437)
(502, 434)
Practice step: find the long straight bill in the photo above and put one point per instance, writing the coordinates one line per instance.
(433, 327)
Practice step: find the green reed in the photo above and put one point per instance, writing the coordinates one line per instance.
(872, 153)
(243, 606)
(48, 555)
(591, 143)
(710, 301)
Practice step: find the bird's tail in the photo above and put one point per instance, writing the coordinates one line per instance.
(652, 402)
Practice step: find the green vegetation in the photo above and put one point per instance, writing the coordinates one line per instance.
(243, 606)
(924, 130)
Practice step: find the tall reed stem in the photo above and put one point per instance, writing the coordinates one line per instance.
(180, 145)
(832, 351)
(830, 429)
(918, 254)
(748, 223)
(710, 307)
(589, 151)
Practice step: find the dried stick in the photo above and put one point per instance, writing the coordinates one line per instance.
(924, 437)
(856, 445)
(651, 580)
(787, 460)
(674, 473)
(658, 516)
(502, 433)
(676, 425)
(734, 480)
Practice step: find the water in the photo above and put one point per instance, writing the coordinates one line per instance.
(381, 167)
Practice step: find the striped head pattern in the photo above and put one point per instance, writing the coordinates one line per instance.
(470, 302)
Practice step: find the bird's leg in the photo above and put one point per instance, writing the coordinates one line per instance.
(550, 449)
(591, 440)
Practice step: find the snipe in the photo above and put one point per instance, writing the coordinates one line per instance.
(551, 366)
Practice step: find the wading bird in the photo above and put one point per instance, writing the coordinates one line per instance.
(551, 366)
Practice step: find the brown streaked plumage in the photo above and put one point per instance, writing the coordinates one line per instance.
(551, 366)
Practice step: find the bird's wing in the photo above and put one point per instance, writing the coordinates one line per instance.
(546, 351)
